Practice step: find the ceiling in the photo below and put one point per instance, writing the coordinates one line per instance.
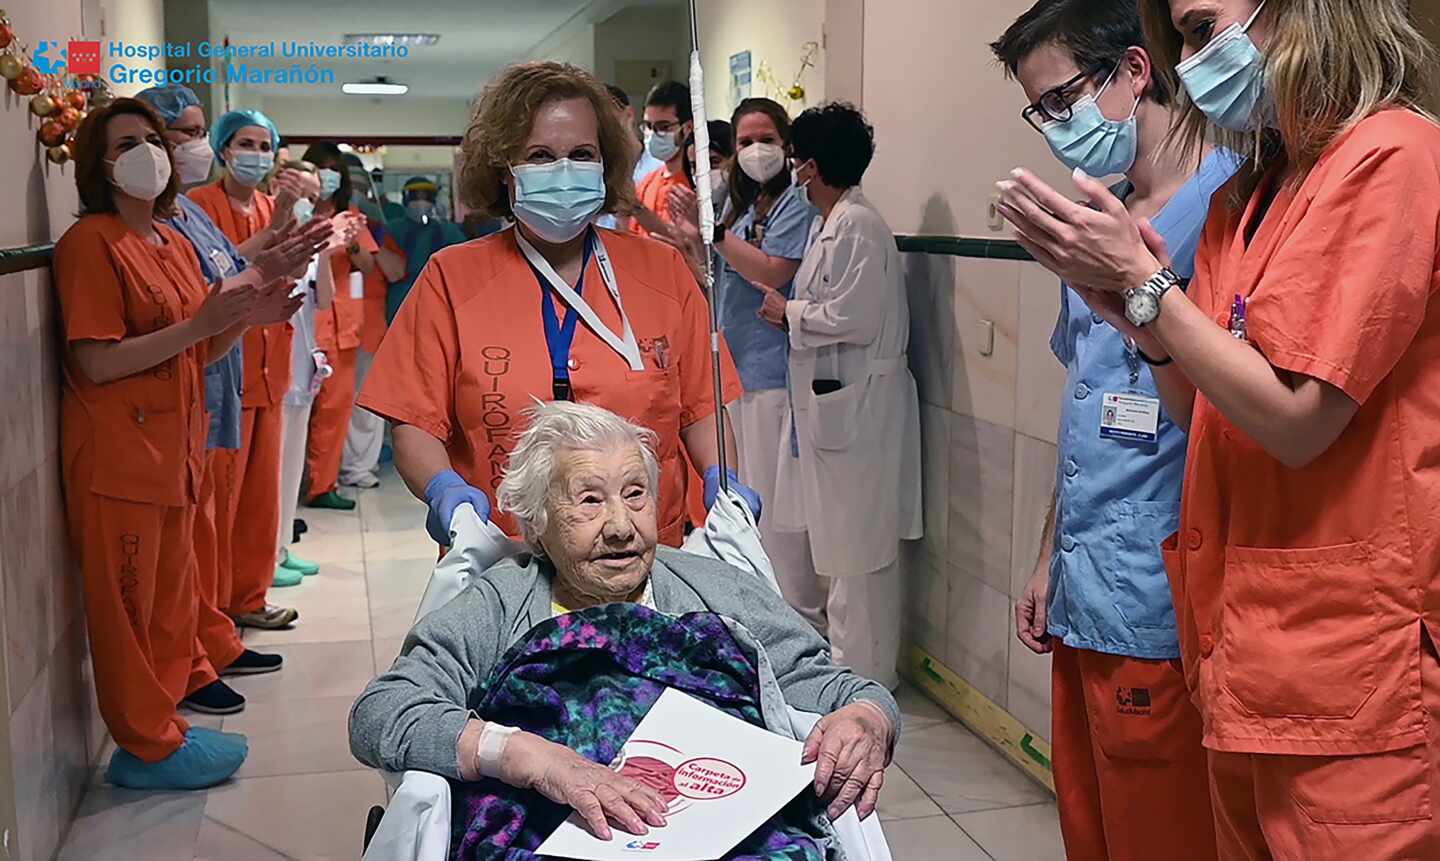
(476, 36)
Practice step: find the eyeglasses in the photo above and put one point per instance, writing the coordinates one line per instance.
(1054, 104)
(191, 133)
(661, 127)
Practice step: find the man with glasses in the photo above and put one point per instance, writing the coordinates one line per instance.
(666, 125)
(1128, 763)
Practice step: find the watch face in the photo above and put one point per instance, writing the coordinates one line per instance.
(1141, 307)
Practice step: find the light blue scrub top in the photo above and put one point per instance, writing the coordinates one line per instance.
(223, 379)
(1119, 500)
(761, 350)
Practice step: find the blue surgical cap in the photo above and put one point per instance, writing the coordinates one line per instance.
(169, 101)
(225, 128)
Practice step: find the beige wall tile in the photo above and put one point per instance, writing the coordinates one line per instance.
(1034, 490)
(930, 280)
(977, 645)
(1040, 377)
(986, 292)
(29, 637)
(981, 505)
(927, 603)
(935, 475)
(20, 358)
(1028, 697)
(952, 148)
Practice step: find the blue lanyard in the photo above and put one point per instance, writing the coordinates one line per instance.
(560, 336)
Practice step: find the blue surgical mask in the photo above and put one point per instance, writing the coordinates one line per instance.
(329, 181)
(1226, 78)
(1091, 141)
(250, 167)
(803, 187)
(304, 210)
(557, 200)
(662, 146)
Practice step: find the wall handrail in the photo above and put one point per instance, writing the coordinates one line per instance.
(26, 257)
(962, 246)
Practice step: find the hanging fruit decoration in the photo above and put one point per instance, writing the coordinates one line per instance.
(61, 104)
(28, 82)
(52, 133)
(11, 66)
(43, 105)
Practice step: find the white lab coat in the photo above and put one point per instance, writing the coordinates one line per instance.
(855, 486)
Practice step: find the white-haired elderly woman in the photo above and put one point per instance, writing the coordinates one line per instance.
(581, 483)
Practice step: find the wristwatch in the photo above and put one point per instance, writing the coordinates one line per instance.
(1142, 304)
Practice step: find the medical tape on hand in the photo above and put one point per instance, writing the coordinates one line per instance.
(491, 752)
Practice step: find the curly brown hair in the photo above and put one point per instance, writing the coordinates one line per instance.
(97, 193)
(504, 117)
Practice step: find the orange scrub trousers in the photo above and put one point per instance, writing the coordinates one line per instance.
(1307, 597)
(1128, 760)
(247, 500)
(337, 335)
(467, 353)
(133, 463)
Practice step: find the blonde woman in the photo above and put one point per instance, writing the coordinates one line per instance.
(1304, 360)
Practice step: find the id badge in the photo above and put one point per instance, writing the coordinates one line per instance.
(1133, 418)
(357, 285)
(222, 263)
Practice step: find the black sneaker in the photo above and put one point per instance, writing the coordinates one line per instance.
(299, 528)
(216, 698)
(253, 663)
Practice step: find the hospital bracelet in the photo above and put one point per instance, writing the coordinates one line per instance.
(491, 750)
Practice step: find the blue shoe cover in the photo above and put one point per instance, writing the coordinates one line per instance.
(205, 759)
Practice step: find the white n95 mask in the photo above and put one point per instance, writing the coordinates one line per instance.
(143, 171)
(557, 200)
(193, 161)
(762, 162)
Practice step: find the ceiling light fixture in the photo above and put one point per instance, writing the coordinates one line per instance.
(407, 39)
(379, 87)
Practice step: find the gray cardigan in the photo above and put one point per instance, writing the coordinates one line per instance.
(411, 716)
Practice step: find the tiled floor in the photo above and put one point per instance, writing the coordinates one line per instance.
(301, 795)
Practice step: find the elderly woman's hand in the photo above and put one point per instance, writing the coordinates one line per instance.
(1100, 247)
(849, 748)
(598, 794)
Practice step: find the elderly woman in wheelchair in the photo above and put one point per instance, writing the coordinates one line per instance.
(525, 687)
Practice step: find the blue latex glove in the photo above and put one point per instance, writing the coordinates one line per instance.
(712, 490)
(446, 492)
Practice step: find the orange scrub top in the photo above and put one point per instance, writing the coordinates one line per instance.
(1300, 592)
(654, 192)
(146, 431)
(372, 328)
(467, 353)
(266, 348)
(338, 327)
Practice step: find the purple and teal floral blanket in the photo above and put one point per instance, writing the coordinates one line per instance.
(585, 680)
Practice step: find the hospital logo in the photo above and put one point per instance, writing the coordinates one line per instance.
(642, 845)
(1133, 701)
(84, 57)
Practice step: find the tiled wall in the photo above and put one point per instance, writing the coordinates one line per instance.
(947, 126)
(50, 732)
(988, 434)
(54, 731)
